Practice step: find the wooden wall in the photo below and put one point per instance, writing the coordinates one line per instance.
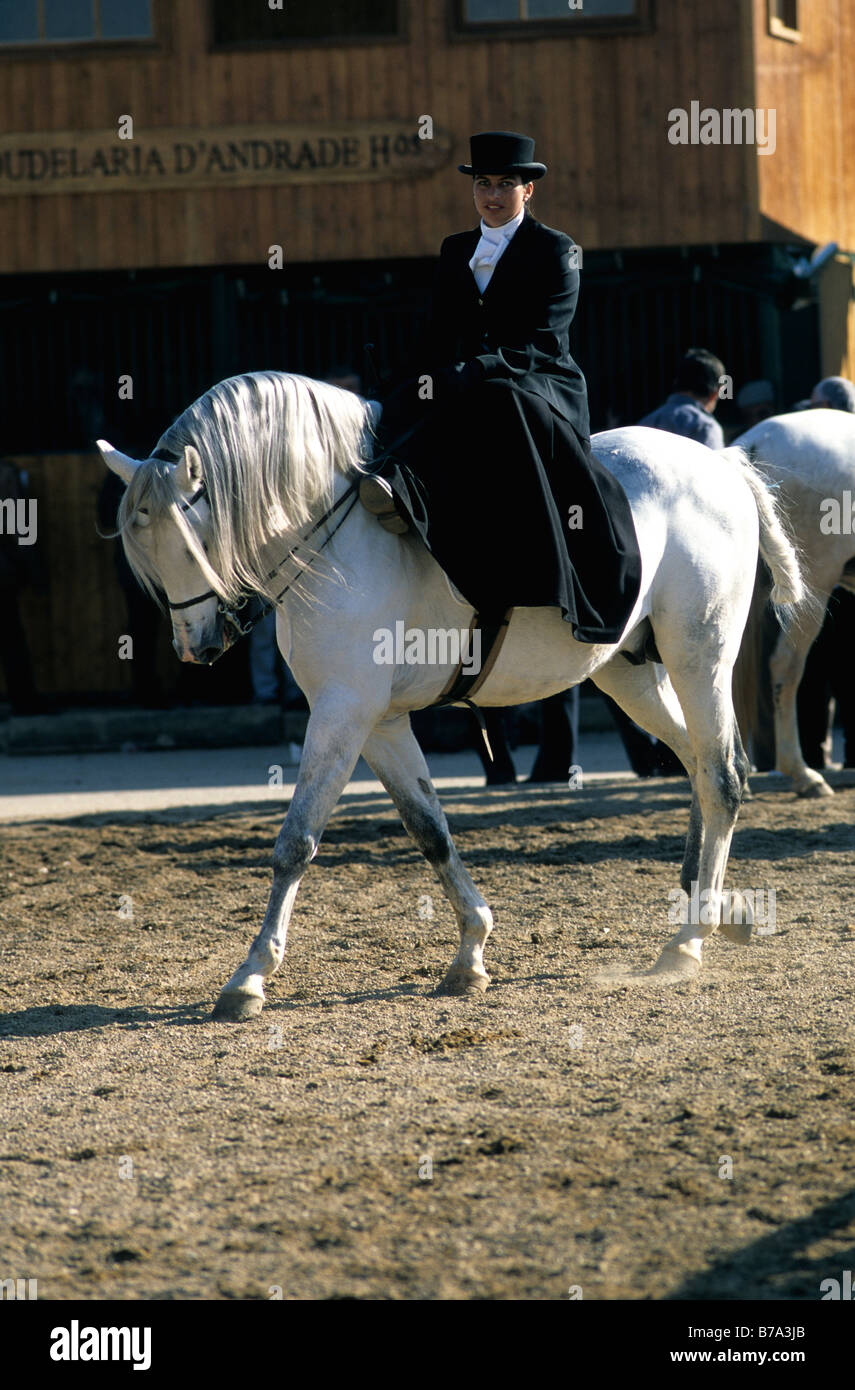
(808, 185)
(596, 105)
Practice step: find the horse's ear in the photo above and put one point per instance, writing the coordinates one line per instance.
(119, 463)
(188, 473)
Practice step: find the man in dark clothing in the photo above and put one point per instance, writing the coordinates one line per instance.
(688, 410)
(15, 571)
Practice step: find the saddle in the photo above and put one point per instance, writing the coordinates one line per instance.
(378, 498)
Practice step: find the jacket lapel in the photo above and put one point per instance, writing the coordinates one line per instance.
(469, 247)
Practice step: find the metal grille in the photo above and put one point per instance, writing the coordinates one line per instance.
(68, 339)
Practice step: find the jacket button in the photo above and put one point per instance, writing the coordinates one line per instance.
(481, 303)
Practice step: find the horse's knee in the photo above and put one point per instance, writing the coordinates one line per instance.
(731, 785)
(720, 785)
(293, 852)
(740, 759)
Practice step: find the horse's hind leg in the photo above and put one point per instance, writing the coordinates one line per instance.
(646, 694)
(395, 756)
(715, 759)
(720, 778)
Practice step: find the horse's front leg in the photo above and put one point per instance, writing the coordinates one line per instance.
(394, 754)
(335, 734)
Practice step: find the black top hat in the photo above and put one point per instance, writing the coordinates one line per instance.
(502, 152)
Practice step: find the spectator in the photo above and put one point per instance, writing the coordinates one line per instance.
(689, 408)
(16, 569)
(755, 401)
(834, 393)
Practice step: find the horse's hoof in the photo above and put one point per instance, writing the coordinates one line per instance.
(737, 921)
(461, 982)
(237, 1007)
(676, 960)
(737, 932)
(812, 790)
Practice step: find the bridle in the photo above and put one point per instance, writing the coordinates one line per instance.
(200, 598)
(241, 617)
(253, 607)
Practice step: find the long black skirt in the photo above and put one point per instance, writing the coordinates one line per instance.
(516, 510)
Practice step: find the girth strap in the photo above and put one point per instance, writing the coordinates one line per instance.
(462, 685)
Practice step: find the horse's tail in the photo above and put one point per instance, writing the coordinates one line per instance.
(776, 544)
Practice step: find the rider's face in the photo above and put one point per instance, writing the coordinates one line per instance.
(500, 197)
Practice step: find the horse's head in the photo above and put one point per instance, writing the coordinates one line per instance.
(165, 524)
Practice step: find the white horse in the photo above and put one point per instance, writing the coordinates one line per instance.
(264, 459)
(809, 460)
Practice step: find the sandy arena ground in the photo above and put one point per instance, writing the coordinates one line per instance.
(363, 1138)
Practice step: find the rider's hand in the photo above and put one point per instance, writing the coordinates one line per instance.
(451, 383)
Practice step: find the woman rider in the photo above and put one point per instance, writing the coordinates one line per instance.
(496, 460)
(489, 436)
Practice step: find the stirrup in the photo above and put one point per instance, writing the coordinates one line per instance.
(377, 497)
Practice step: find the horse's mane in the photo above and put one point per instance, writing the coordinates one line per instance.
(271, 444)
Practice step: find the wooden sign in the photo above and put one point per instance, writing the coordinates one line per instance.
(100, 161)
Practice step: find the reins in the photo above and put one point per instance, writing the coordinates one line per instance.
(260, 607)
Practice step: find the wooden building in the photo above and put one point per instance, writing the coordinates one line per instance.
(154, 158)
